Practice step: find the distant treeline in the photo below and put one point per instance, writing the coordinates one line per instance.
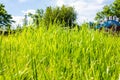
(65, 15)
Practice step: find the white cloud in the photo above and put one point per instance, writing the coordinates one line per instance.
(22, 1)
(28, 11)
(100, 1)
(18, 21)
(86, 9)
(60, 2)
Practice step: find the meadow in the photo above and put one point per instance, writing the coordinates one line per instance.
(59, 54)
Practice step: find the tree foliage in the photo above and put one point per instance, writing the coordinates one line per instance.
(25, 21)
(116, 8)
(37, 17)
(63, 14)
(109, 10)
(5, 18)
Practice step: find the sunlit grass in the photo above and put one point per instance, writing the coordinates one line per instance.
(59, 54)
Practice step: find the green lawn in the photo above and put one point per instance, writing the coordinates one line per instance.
(59, 54)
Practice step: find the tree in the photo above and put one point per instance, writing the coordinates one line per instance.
(63, 14)
(37, 17)
(68, 15)
(109, 10)
(48, 16)
(25, 21)
(116, 8)
(5, 18)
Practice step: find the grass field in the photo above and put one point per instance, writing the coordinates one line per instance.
(59, 54)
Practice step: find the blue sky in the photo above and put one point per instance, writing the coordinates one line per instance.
(15, 7)
(86, 9)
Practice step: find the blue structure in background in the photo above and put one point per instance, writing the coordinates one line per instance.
(111, 22)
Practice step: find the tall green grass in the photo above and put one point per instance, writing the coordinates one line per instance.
(59, 54)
